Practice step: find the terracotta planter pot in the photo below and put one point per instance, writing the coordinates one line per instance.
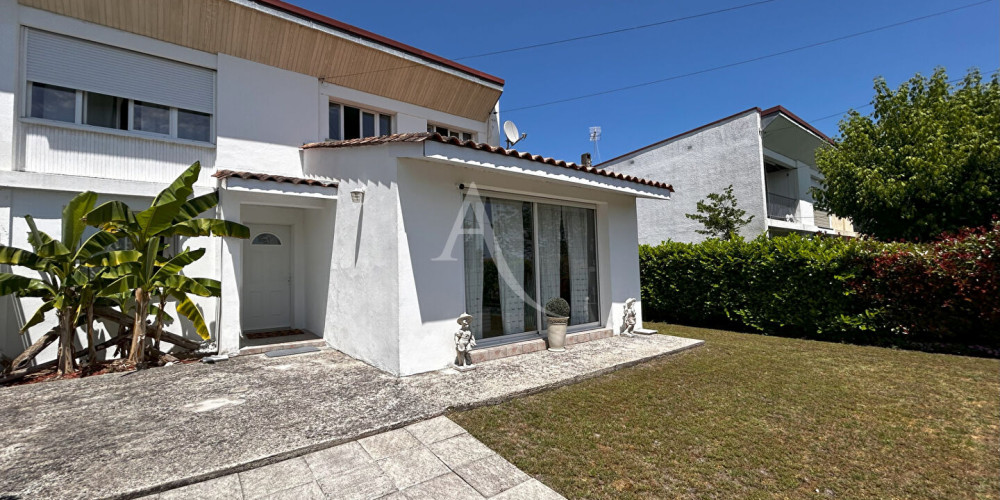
(557, 333)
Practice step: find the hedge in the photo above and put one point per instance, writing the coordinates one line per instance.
(829, 287)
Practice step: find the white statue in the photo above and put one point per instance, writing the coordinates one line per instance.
(464, 342)
(628, 320)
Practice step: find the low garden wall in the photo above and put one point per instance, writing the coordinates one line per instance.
(940, 293)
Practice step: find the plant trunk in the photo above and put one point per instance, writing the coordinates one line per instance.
(118, 317)
(35, 348)
(136, 352)
(159, 322)
(91, 350)
(64, 360)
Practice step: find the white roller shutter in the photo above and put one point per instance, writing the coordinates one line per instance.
(93, 67)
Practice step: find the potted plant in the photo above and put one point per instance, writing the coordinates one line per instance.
(557, 313)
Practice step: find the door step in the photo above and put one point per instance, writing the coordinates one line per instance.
(261, 349)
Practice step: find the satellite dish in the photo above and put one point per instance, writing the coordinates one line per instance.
(510, 130)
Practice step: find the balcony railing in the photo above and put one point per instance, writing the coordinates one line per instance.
(781, 207)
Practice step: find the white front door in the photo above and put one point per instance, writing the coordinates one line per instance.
(267, 278)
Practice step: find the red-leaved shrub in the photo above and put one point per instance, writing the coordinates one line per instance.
(946, 291)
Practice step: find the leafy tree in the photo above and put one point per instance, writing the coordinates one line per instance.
(173, 212)
(926, 161)
(722, 218)
(63, 275)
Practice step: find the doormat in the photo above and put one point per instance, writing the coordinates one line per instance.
(273, 333)
(289, 352)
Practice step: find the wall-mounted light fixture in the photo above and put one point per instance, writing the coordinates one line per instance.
(358, 195)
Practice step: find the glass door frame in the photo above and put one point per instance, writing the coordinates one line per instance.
(535, 201)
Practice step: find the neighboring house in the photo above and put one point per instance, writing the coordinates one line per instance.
(768, 157)
(317, 136)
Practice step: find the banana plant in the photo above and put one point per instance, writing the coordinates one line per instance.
(173, 212)
(60, 265)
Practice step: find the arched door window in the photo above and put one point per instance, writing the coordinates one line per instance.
(265, 239)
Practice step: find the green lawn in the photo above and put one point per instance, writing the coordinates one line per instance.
(750, 416)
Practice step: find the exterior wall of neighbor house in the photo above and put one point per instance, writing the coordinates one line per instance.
(697, 164)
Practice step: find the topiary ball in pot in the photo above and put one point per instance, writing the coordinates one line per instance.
(557, 314)
(557, 308)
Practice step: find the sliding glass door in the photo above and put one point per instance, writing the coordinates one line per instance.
(517, 251)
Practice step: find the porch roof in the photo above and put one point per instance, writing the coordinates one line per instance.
(423, 137)
(225, 174)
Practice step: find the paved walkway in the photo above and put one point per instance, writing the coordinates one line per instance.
(126, 435)
(430, 460)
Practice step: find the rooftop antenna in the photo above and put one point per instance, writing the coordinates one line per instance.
(510, 130)
(595, 135)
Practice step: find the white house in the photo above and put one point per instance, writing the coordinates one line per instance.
(359, 163)
(768, 156)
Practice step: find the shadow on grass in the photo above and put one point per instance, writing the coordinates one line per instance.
(985, 349)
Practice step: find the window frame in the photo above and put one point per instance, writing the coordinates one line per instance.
(80, 118)
(432, 128)
(535, 201)
(361, 118)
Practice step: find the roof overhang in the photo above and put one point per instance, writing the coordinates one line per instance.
(271, 185)
(484, 160)
(278, 34)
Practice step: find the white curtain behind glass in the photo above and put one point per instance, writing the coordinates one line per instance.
(549, 222)
(474, 269)
(575, 225)
(508, 231)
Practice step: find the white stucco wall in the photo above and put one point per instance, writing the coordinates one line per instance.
(697, 164)
(432, 289)
(265, 115)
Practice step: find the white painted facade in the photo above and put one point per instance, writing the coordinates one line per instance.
(769, 161)
(362, 276)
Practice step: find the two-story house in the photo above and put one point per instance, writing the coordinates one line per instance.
(768, 156)
(368, 171)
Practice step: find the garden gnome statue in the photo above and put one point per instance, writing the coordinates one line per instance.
(464, 342)
(628, 320)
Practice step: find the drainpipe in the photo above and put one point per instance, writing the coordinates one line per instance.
(219, 250)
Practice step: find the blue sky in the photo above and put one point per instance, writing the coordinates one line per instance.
(812, 83)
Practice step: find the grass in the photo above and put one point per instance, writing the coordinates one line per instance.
(751, 416)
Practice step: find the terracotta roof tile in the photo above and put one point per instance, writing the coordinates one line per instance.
(225, 174)
(435, 137)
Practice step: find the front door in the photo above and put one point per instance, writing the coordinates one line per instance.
(267, 278)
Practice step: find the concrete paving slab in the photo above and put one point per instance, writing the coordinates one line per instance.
(223, 488)
(460, 450)
(412, 467)
(532, 489)
(389, 443)
(445, 487)
(57, 443)
(339, 459)
(363, 483)
(491, 475)
(435, 429)
(270, 479)
(308, 491)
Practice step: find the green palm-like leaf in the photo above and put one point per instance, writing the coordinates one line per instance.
(21, 285)
(39, 315)
(112, 216)
(167, 205)
(96, 244)
(197, 206)
(44, 245)
(185, 307)
(208, 227)
(73, 218)
(115, 258)
(18, 257)
(174, 265)
(186, 285)
(121, 286)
